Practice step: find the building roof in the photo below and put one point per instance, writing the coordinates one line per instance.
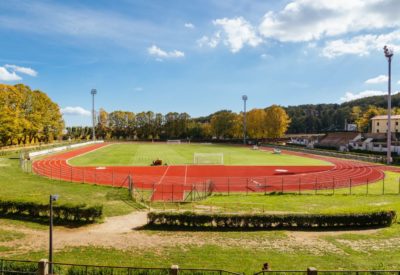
(386, 117)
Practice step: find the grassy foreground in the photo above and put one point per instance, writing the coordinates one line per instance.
(16, 185)
(145, 153)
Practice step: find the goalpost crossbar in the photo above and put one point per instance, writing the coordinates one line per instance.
(208, 158)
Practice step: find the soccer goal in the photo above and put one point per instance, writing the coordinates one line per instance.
(174, 141)
(208, 158)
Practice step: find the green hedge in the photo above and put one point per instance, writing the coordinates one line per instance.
(271, 221)
(63, 213)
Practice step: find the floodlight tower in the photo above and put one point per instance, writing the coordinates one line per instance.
(244, 97)
(93, 92)
(389, 54)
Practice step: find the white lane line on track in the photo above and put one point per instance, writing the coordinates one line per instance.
(186, 168)
(163, 176)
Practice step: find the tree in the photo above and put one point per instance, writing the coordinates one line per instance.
(256, 123)
(277, 121)
(225, 124)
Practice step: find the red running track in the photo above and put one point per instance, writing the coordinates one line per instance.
(174, 183)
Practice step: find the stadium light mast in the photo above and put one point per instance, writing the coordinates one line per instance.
(389, 54)
(93, 92)
(53, 198)
(244, 97)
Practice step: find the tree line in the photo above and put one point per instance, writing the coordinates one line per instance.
(321, 118)
(30, 116)
(271, 122)
(27, 116)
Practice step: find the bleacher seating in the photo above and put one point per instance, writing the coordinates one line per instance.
(337, 139)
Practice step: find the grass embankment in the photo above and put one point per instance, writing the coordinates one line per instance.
(16, 185)
(144, 154)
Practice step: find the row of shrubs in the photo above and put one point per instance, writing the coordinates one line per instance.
(62, 213)
(271, 221)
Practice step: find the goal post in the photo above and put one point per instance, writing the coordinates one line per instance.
(174, 141)
(208, 158)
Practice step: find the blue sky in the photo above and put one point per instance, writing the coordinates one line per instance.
(197, 56)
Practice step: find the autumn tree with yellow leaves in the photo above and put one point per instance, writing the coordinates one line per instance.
(27, 116)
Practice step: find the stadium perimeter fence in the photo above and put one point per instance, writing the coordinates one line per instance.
(177, 188)
(20, 267)
(345, 155)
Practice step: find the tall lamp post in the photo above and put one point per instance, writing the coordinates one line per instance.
(52, 199)
(389, 54)
(244, 97)
(93, 92)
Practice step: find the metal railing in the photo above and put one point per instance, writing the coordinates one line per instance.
(14, 267)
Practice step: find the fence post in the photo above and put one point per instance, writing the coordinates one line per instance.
(383, 185)
(172, 192)
(84, 174)
(174, 269)
(315, 185)
(247, 186)
(312, 271)
(43, 267)
(350, 186)
(112, 177)
(282, 185)
(299, 185)
(367, 185)
(71, 173)
(229, 186)
(265, 186)
(333, 185)
(399, 185)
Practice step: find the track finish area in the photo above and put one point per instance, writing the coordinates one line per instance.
(173, 183)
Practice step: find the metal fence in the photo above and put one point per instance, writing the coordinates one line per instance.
(14, 267)
(313, 271)
(178, 188)
(345, 155)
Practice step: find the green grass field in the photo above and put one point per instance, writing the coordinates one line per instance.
(237, 251)
(17, 185)
(142, 154)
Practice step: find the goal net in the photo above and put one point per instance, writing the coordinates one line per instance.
(208, 158)
(173, 141)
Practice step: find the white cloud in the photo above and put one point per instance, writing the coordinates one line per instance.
(211, 42)
(5, 75)
(9, 72)
(159, 53)
(22, 70)
(376, 80)
(189, 25)
(352, 96)
(75, 111)
(237, 33)
(362, 45)
(306, 20)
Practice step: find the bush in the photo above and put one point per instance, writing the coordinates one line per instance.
(63, 213)
(272, 221)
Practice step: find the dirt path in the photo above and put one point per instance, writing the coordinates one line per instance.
(122, 232)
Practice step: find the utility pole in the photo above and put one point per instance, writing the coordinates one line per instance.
(244, 97)
(389, 54)
(93, 92)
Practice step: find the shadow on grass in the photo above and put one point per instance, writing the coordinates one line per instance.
(242, 229)
(46, 221)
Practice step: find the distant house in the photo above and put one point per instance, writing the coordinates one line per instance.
(380, 124)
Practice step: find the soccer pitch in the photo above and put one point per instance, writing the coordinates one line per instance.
(142, 154)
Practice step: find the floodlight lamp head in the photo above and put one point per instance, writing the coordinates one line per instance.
(388, 51)
(54, 197)
(93, 91)
(244, 97)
